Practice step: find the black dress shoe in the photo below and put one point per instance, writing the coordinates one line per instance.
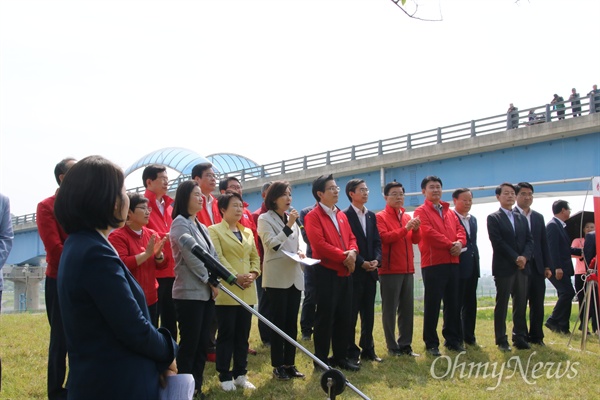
(552, 327)
(370, 357)
(538, 342)
(293, 372)
(408, 351)
(522, 345)
(456, 347)
(504, 347)
(281, 373)
(345, 364)
(434, 351)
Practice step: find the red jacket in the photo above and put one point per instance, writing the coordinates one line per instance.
(326, 242)
(161, 224)
(51, 233)
(396, 242)
(203, 214)
(248, 221)
(129, 244)
(437, 234)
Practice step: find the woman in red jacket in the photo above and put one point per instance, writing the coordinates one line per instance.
(140, 249)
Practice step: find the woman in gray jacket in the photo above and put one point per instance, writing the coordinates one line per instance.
(283, 279)
(194, 299)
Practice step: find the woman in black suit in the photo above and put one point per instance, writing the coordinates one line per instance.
(114, 350)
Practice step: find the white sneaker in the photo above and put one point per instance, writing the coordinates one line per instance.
(228, 386)
(243, 382)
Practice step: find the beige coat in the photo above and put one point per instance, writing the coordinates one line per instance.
(238, 257)
(279, 271)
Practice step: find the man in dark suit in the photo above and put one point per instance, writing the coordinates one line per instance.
(560, 248)
(364, 278)
(469, 265)
(589, 248)
(512, 244)
(539, 262)
(309, 304)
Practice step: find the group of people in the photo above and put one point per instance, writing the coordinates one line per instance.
(558, 105)
(124, 284)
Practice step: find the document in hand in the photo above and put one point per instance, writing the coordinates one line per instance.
(305, 260)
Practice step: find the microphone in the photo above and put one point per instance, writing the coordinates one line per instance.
(297, 220)
(212, 264)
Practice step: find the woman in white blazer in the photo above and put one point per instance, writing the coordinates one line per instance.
(282, 277)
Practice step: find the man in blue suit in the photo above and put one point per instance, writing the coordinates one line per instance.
(560, 259)
(364, 278)
(513, 247)
(540, 263)
(469, 265)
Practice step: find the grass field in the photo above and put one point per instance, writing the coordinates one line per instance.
(556, 371)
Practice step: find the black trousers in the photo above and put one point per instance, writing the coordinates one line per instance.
(441, 283)
(562, 310)
(194, 317)
(57, 350)
(285, 304)
(166, 307)
(232, 341)
(467, 294)
(364, 289)
(334, 311)
(514, 286)
(264, 309)
(309, 305)
(536, 293)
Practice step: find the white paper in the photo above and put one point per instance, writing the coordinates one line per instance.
(305, 260)
(179, 387)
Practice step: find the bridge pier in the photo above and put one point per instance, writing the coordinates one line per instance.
(27, 286)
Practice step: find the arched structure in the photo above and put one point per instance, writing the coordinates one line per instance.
(177, 158)
(229, 162)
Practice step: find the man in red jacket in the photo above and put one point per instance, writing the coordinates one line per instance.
(156, 183)
(207, 179)
(54, 237)
(398, 233)
(332, 242)
(442, 240)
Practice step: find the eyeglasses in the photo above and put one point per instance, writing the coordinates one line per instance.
(145, 209)
(526, 195)
(211, 176)
(234, 187)
(333, 188)
(395, 194)
(363, 190)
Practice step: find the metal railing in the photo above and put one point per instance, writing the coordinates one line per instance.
(485, 126)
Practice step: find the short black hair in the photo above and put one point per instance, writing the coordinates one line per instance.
(352, 185)
(558, 206)
(89, 194)
(61, 168)
(523, 185)
(151, 172)
(224, 183)
(430, 178)
(390, 186)
(182, 199)
(199, 169)
(460, 191)
(499, 188)
(135, 199)
(225, 199)
(319, 185)
(275, 191)
(265, 186)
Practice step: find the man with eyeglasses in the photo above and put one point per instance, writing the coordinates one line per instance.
(442, 240)
(156, 182)
(539, 262)
(560, 248)
(332, 242)
(206, 178)
(364, 278)
(399, 232)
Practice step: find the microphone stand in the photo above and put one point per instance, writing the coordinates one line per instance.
(333, 380)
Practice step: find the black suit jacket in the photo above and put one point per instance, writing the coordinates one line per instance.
(560, 248)
(589, 247)
(469, 259)
(369, 246)
(303, 213)
(541, 256)
(508, 244)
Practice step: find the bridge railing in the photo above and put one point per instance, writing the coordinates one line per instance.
(474, 128)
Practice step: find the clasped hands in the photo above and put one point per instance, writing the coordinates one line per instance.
(245, 280)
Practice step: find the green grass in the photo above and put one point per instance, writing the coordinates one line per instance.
(24, 341)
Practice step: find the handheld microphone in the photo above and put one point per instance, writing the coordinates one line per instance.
(212, 264)
(297, 220)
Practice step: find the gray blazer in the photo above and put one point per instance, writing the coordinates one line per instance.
(279, 271)
(189, 270)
